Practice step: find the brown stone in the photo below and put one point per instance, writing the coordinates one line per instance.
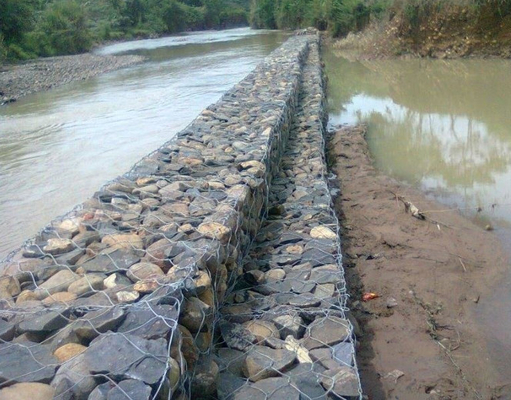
(59, 297)
(262, 330)
(27, 391)
(121, 241)
(68, 351)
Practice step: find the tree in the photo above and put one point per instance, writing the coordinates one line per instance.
(16, 17)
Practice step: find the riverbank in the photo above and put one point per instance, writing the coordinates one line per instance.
(419, 337)
(442, 30)
(18, 80)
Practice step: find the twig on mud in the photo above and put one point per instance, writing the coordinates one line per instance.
(433, 325)
(462, 264)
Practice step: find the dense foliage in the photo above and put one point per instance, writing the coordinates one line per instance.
(337, 16)
(343, 16)
(30, 28)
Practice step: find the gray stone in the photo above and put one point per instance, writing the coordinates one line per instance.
(228, 385)
(44, 321)
(304, 300)
(6, 330)
(195, 314)
(73, 380)
(95, 322)
(231, 360)
(205, 378)
(130, 389)
(290, 325)
(326, 274)
(106, 262)
(144, 270)
(150, 322)
(124, 356)
(101, 391)
(87, 284)
(26, 362)
(343, 382)
(306, 378)
(236, 336)
(70, 258)
(263, 362)
(268, 389)
(57, 283)
(326, 331)
(344, 353)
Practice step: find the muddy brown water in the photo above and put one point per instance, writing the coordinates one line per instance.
(444, 127)
(58, 147)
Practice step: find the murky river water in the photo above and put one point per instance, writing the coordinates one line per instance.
(58, 147)
(445, 127)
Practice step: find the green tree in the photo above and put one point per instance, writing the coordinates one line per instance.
(62, 29)
(16, 18)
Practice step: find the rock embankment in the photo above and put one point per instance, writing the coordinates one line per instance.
(284, 330)
(121, 298)
(19, 80)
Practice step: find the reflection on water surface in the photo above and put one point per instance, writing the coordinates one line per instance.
(444, 126)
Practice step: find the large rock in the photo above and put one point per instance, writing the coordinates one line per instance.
(58, 246)
(205, 378)
(26, 362)
(28, 391)
(129, 389)
(111, 261)
(150, 322)
(95, 322)
(74, 380)
(290, 325)
(144, 270)
(268, 389)
(123, 356)
(57, 283)
(262, 330)
(44, 321)
(236, 336)
(195, 314)
(9, 287)
(68, 351)
(6, 330)
(326, 331)
(343, 382)
(88, 284)
(122, 241)
(263, 362)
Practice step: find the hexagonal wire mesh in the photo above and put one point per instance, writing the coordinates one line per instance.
(120, 298)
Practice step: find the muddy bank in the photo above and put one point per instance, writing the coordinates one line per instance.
(420, 338)
(45, 73)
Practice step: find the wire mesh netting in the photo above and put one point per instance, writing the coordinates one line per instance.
(120, 298)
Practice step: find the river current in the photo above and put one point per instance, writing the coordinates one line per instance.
(58, 147)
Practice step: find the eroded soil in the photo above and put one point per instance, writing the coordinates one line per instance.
(419, 338)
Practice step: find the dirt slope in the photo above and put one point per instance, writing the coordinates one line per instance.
(419, 338)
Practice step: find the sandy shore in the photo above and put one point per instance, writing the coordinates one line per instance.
(419, 338)
(45, 73)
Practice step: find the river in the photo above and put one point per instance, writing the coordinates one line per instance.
(58, 147)
(443, 126)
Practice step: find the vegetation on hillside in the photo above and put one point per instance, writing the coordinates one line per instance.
(31, 28)
(421, 27)
(337, 16)
(436, 28)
